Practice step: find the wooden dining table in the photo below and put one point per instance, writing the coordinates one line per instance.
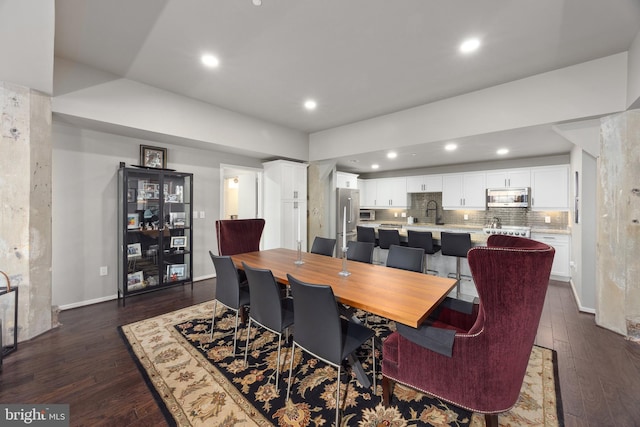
(399, 295)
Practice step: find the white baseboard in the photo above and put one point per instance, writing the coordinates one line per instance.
(88, 302)
(577, 299)
(115, 296)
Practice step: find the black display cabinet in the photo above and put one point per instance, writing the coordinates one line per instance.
(155, 231)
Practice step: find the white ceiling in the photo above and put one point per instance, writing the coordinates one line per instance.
(358, 58)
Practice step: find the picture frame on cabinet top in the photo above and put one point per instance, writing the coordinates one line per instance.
(153, 157)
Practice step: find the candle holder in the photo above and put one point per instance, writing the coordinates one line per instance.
(344, 271)
(299, 261)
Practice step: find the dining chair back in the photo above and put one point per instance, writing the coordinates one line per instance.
(229, 292)
(237, 236)
(406, 258)
(424, 240)
(360, 251)
(323, 246)
(321, 332)
(267, 308)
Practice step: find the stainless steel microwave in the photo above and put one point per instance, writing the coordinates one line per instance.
(367, 215)
(508, 197)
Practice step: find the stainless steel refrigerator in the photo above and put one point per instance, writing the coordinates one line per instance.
(348, 201)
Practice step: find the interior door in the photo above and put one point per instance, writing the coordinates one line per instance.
(241, 192)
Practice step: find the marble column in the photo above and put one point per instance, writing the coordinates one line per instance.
(25, 207)
(618, 234)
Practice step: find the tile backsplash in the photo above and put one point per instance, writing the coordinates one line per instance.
(508, 216)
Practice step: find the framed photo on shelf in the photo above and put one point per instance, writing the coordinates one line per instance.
(177, 219)
(135, 280)
(133, 221)
(153, 157)
(148, 190)
(178, 241)
(176, 272)
(134, 250)
(131, 195)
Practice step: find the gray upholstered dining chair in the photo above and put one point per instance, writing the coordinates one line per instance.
(321, 332)
(323, 246)
(229, 292)
(267, 308)
(406, 258)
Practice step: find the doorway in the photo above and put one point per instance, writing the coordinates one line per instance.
(241, 192)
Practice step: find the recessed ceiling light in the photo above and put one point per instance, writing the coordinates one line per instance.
(469, 45)
(256, 2)
(450, 147)
(502, 151)
(310, 104)
(375, 166)
(210, 60)
(392, 155)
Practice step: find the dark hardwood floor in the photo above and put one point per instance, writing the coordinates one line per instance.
(84, 363)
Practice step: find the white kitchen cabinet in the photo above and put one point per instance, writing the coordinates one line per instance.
(561, 269)
(424, 184)
(384, 193)
(346, 180)
(550, 188)
(509, 178)
(464, 191)
(285, 204)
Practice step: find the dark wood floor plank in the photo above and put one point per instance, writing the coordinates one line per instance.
(85, 363)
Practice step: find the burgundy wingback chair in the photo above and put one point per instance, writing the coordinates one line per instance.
(488, 363)
(237, 236)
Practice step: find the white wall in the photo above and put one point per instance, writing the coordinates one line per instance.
(633, 90)
(84, 209)
(92, 95)
(27, 29)
(585, 90)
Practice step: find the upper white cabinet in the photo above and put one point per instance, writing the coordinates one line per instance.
(346, 180)
(514, 178)
(424, 184)
(464, 191)
(384, 193)
(285, 204)
(550, 188)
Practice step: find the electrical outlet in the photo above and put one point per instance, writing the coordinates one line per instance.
(547, 219)
(404, 214)
(195, 214)
(466, 217)
(201, 214)
(103, 270)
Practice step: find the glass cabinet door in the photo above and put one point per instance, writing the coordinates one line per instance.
(177, 214)
(156, 218)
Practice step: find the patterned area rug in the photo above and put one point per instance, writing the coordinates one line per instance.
(198, 382)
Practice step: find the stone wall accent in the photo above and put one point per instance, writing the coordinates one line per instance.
(618, 234)
(25, 203)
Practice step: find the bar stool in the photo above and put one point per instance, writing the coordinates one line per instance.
(457, 245)
(423, 240)
(367, 235)
(388, 237)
